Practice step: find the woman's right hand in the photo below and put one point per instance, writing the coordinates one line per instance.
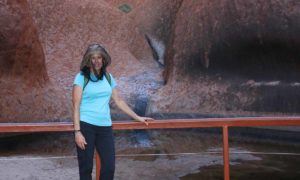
(80, 140)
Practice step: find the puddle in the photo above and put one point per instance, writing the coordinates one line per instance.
(270, 167)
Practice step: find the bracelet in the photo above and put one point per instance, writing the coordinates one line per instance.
(76, 130)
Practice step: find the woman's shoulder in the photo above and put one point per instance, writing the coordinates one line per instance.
(109, 74)
(79, 74)
(111, 80)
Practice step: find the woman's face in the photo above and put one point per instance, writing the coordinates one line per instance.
(97, 61)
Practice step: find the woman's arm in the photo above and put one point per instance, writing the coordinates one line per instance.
(125, 108)
(76, 98)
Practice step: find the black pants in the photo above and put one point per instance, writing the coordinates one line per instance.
(102, 139)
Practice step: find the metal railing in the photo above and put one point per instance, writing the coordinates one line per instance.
(223, 123)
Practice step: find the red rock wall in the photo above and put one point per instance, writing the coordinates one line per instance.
(21, 54)
(66, 28)
(26, 92)
(204, 48)
(152, 20)
(211, 36)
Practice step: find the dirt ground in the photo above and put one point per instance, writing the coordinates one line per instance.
(51, 168)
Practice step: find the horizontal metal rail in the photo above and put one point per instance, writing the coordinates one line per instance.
(224, 123)
(157, 124)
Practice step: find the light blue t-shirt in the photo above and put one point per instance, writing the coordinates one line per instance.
(94, 106)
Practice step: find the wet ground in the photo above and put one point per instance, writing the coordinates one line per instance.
(273, 167)
(185, 154)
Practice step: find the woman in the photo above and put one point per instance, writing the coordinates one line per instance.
(92, 90)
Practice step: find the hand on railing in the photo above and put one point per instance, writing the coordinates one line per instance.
(145, 119)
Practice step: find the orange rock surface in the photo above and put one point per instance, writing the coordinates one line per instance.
(207, 57)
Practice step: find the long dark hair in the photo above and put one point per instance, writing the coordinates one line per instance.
(86, 63)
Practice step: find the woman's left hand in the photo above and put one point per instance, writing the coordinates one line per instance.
(145, 119)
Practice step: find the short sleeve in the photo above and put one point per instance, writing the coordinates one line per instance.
(79, 80)
(113, 82)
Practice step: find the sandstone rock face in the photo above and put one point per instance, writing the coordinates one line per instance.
(208, 57)
(26, 93)
(21, 52)
(152, 20)
(66, 28)
(218, 46)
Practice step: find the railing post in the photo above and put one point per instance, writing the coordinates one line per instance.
(226, 153)
(98, 166)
